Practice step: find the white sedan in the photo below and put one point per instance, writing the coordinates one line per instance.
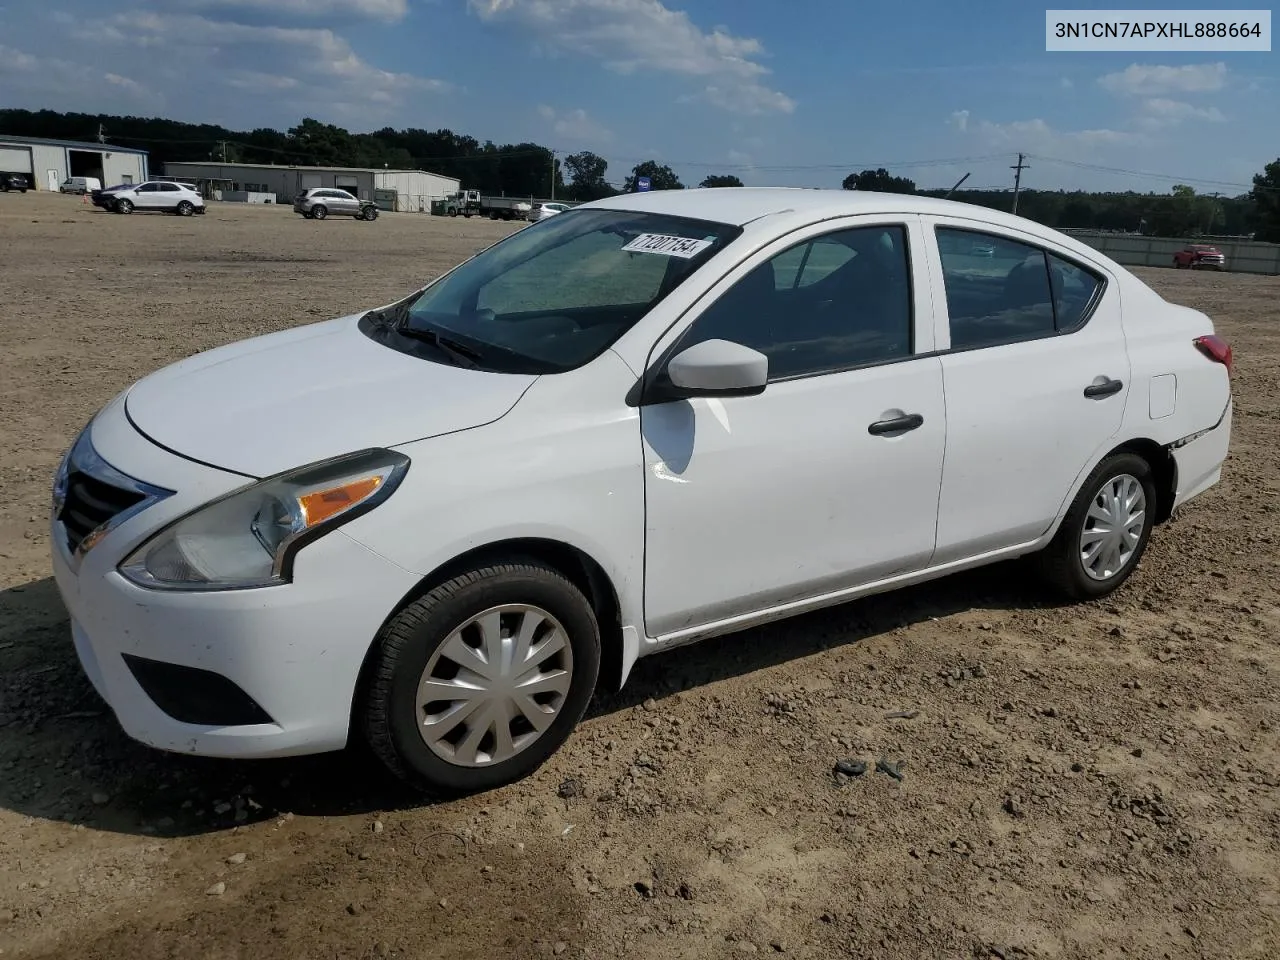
(439, 525)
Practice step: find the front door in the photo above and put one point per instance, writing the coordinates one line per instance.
(51, 177)
(148, 196)
(1037, 375)
(829, 478)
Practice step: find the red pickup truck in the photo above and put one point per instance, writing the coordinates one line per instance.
(1195, 256)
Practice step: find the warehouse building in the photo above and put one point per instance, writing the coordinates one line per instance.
(49, 163)
(399, 190)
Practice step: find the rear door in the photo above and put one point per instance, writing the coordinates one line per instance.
(169, 197)
(1036, 374)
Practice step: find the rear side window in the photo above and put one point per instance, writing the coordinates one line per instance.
(1003, 291)
(1074, 292)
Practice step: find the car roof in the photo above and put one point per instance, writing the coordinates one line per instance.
(741, 205)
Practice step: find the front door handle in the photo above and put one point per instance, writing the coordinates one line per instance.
(1104, 389)
(902, 424)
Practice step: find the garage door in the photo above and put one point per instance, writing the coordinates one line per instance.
(15, 159)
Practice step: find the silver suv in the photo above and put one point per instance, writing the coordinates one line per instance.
(319, 202)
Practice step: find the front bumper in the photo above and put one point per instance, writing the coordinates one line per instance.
(293, 651)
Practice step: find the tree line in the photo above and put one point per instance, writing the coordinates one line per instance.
(530, 169)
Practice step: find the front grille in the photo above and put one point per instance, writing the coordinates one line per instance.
(90, 503)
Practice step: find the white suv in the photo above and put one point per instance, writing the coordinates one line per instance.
(163, 195)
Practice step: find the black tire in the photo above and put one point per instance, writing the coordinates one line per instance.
(405, 646)
(369, 214)
(319, 212)
(124, 206)
(1060, 562)
(184, 209)
(453, 212)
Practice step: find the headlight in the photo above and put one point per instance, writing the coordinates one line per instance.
(249, 537)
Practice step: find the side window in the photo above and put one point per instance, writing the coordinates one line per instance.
(1074, 290)
(997, 289)
(170, 187)
(147, 188)
(827, 304)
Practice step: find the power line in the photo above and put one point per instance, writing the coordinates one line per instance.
(1145, 173)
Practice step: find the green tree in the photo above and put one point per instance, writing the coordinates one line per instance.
(587, 176)
(721, 180)
(661, 177)
(1266, 201)
(880, 181)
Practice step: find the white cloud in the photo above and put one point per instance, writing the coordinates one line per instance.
(632, 35)
(1038, 136)
(1153, 80)
(311, 68)
(387, 10)
(1065, 83)
(1162, 111)
(959, 119)
(576, 126)
(22, 74)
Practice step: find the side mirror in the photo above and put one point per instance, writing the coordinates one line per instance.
(718, 368)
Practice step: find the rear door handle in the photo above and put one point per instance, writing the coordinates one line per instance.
(1106, 389)
(901, 424)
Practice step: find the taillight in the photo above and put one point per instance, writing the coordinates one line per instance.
(1216, 349)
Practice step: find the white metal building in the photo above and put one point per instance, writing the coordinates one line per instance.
(48, 163)
(402, 190)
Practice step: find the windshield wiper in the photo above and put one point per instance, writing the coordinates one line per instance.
(462, 355)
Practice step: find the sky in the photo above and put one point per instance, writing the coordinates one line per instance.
(795, 93)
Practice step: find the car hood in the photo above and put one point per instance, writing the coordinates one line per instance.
(272, 403)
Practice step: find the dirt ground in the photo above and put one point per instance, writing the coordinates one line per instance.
(1088, 781)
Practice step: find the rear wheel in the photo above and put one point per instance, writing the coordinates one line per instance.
(1105, 532)
(477, 683)
(319, 212)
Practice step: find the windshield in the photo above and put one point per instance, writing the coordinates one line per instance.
(557, 293)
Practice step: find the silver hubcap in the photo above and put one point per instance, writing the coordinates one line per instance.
(495, 685)
(1113, 527)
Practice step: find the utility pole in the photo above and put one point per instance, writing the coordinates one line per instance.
(956, 187)
(1017, 180)
(553, 175)
(223, 144)
(102, 134)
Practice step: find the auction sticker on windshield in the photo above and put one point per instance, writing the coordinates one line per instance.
(667, 246)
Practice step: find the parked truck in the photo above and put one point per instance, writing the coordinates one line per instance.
(469, 202)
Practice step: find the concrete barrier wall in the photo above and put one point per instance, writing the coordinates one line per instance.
(1243, 256)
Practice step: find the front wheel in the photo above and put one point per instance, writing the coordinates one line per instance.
(369, 213)
(124, 206)
(185, 209)
(477, 683)
(1105, 532)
